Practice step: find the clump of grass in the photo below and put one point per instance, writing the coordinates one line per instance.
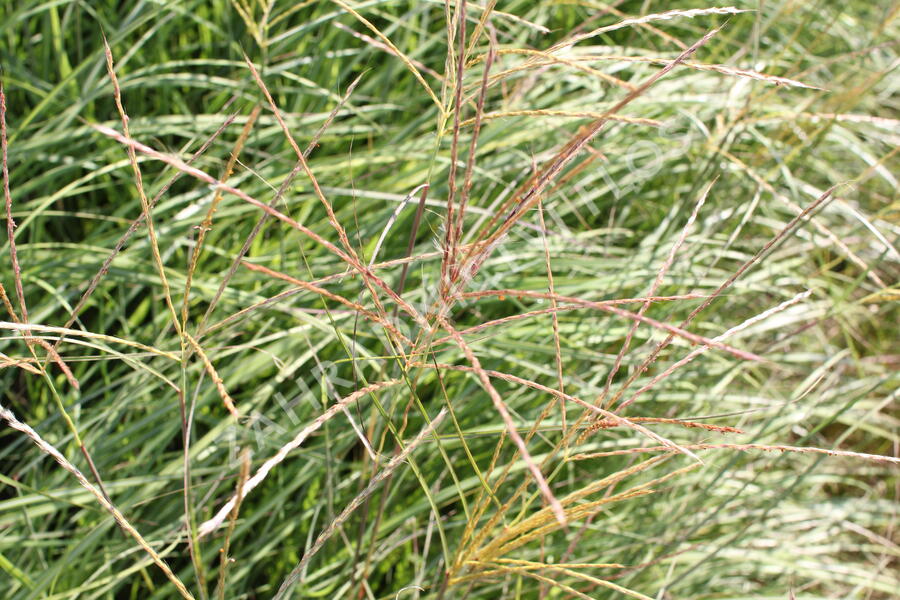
(377, 300)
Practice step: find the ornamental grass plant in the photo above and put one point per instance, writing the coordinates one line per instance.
(378, 299)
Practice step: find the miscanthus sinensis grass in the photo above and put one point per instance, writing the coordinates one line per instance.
(449, 300)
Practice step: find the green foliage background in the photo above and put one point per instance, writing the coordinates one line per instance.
(742, 525)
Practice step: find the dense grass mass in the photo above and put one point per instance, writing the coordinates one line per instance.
(357, 265)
